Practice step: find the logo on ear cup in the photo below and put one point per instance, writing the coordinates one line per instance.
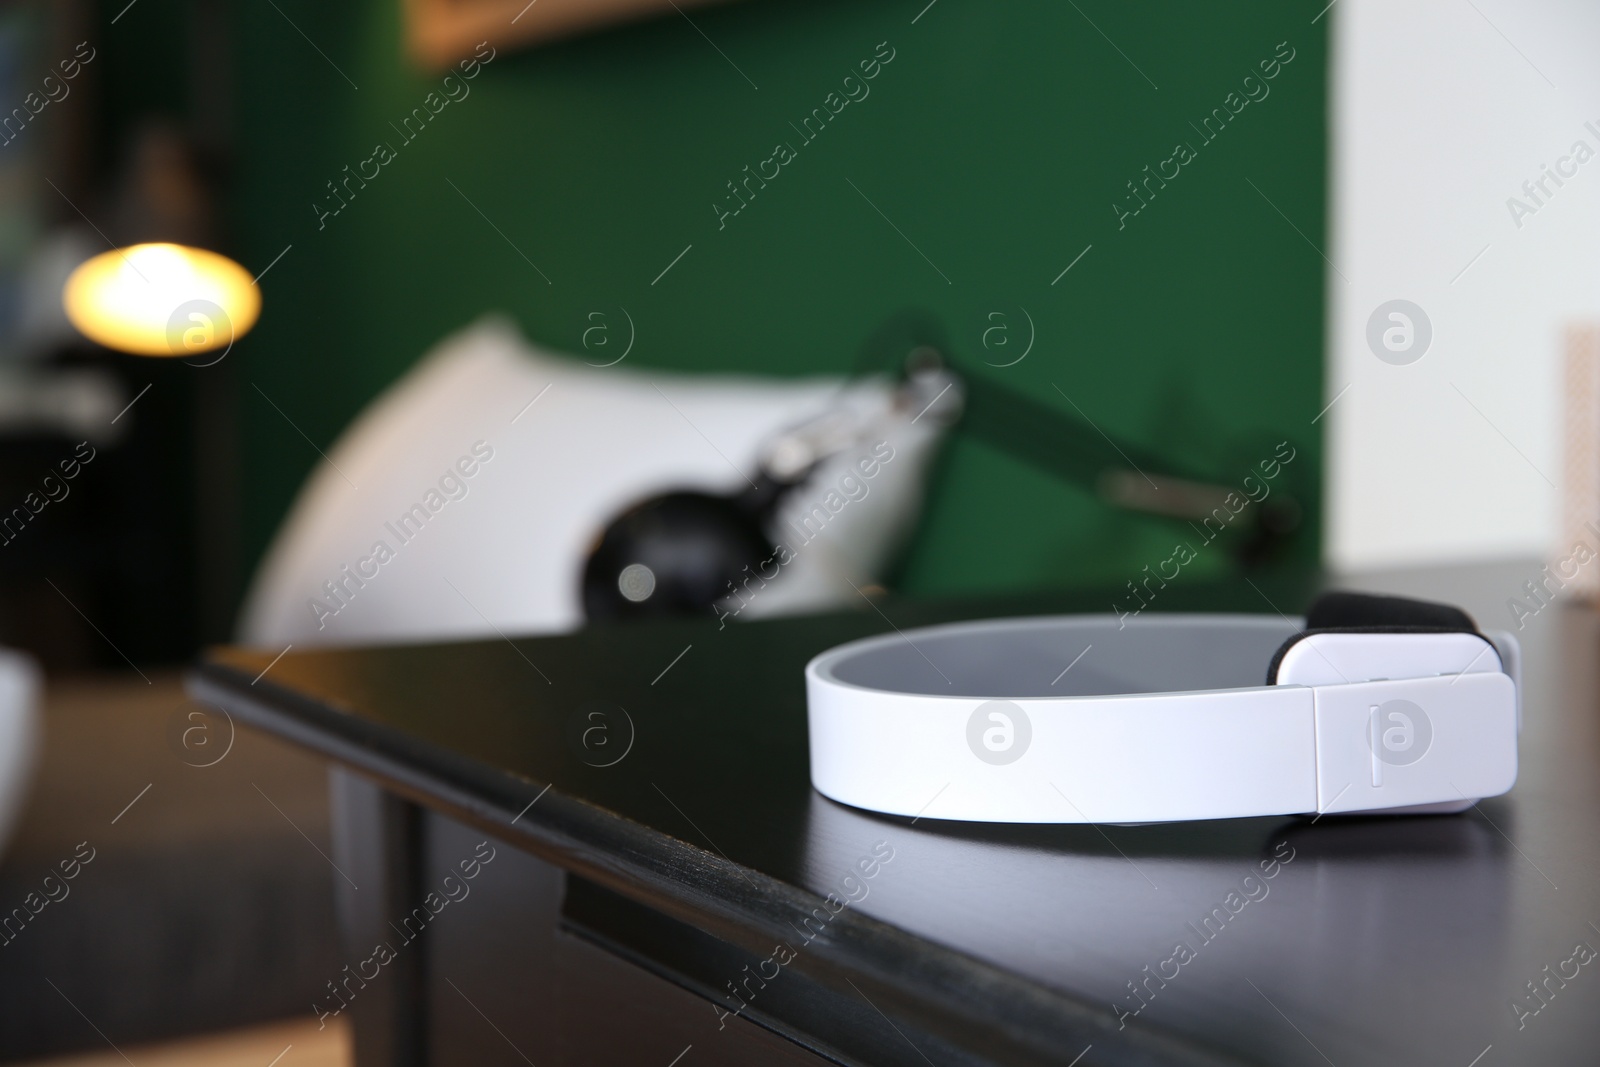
(1399, 732)
(998, 732)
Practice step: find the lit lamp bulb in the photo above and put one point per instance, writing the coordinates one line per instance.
(161, 300)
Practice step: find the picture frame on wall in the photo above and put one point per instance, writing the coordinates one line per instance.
(439, 32)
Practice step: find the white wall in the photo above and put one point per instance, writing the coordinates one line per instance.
(1438, 119)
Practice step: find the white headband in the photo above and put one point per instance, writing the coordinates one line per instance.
(1078, 719)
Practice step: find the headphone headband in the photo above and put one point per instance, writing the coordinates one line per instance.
(1165, 717)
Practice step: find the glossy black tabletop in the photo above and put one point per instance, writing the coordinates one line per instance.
(1420, 940)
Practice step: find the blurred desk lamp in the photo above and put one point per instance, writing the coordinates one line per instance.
(692, 546)
(162, 300)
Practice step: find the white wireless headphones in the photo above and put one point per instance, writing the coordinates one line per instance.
(1370, 704)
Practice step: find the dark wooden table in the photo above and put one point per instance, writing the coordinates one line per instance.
(659, 885)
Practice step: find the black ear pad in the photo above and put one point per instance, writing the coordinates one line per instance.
(1363, 613)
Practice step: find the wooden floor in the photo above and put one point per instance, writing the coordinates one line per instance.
(289, 1044)
(208, 906)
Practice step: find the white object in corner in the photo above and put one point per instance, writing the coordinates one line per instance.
(19, 734)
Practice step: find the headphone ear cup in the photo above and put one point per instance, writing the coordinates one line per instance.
(1366, 613)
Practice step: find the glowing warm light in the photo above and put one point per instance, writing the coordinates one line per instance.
(162, 300)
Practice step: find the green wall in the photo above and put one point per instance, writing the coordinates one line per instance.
(997, 139)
